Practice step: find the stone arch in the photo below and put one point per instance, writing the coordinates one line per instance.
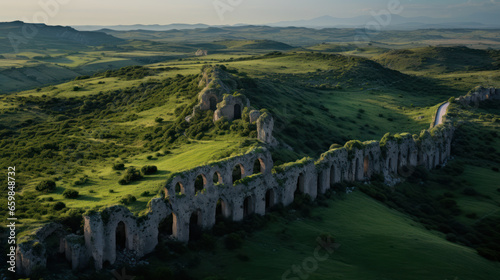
(332, 175)
(248, 205)
(200, 183)
(300, 188)
(259, 166)
(166, 226)
(195, 225)
(237, 111)
(179, 188)
(356, 169)
(238, 172)
(366, 166)
(120, 236)
(319, 183)
(52, 244)
(270, 199)
(213, 103)
(222, 209)
(217, 178)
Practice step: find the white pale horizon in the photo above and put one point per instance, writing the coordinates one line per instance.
(225, 12)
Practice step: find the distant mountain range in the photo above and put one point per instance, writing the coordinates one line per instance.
(48, 37)
(152, 27)
(396, 22)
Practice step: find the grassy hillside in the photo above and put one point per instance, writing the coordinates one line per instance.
(96, 132)
(303, 37)
(48, 37)
(440, 59)
(374, 244)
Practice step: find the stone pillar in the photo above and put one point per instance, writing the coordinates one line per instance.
(180, 229)
(94, 238)
(260, 203)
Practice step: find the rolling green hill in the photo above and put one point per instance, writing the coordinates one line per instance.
(440, 59)
(87, 132)
(48, 37)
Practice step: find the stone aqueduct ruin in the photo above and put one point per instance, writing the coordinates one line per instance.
(199, 194)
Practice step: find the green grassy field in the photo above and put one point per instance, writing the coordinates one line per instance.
(375, 243)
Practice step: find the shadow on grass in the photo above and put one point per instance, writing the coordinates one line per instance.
(88, 198)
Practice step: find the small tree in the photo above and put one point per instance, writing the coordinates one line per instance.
(71, 194)
(46, 186)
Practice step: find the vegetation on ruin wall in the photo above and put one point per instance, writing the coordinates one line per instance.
(457, 199)
(85, 140)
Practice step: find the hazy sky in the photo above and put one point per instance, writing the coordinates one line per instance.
(111, 12)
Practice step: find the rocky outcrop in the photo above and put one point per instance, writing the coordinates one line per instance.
(216, 83)
(265, 126)
(477, 95)
(201, 53)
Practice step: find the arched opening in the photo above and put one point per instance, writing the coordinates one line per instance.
(356, 170)
(165, 228)
(213, 103)
(217, 178)
(248, 206)
(199, 183)
(319, 182)
(408, 158)
(390, 164)
(270, 199)
(222, 210)
(179, 188)
(121, 236)
(54, 257)
(195, 226)
(237, 111)
(366, 166)
(332, 175)
(258, 166)
(237, 172)
(300, 184)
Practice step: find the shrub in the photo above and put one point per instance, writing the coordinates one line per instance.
(118, 166)
(149, 169)
(158, 119)
(146, 193)
(46, 186)
(470, 192)
(131, 175)
(59, 205)
(233, 241)
(72, 194)
(487, 253)
(128, 199)
(243, 257)
(448, 203)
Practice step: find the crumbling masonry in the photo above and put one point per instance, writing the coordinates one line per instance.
(256, 188)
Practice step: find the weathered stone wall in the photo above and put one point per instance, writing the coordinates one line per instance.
(479, 94)
(394, 157)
